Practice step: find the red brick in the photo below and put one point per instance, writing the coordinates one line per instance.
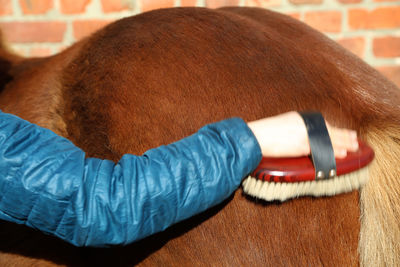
(355, 45)
(147, 5)
(188, 2)
(325, 21)
(73, 7)
(388, 46)
(27, 32)
(115, 5)
(349, 1)
(380, 18)
(5, 7)
(392, 73)
(40, 52)
(301, 2)
(36, 6)
(263, 3)
(358, 18)
(221, 3)
(83, 28)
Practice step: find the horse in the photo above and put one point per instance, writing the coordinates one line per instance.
(156, 77)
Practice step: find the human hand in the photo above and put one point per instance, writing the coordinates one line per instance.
(285, 135)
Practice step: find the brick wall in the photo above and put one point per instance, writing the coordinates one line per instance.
(369, 28)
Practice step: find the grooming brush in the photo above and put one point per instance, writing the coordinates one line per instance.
(318, 175)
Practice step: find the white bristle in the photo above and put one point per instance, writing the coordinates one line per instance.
(271, 191)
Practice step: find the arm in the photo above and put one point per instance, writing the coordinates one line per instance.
(47, 183)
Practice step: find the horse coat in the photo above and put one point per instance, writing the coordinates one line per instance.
(156, 77)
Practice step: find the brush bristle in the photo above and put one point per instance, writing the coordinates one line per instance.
(271, 191)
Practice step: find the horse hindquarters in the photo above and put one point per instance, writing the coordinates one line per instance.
(377, 118)
(157, 77)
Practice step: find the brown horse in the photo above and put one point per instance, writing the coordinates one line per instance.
(154, 78)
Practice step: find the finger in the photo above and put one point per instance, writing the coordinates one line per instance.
(340, 153)
(347, 139)
(343, 138)
(354, 141)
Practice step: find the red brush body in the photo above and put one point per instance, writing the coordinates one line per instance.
(293, 170)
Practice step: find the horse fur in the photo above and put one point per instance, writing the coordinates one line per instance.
(156, 77)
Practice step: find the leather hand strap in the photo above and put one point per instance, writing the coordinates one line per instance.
(320, 143)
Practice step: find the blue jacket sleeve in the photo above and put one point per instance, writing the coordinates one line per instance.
(47, 183)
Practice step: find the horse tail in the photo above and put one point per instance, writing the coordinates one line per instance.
(380, 207)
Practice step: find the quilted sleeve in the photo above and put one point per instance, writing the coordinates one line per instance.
(47, 183)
